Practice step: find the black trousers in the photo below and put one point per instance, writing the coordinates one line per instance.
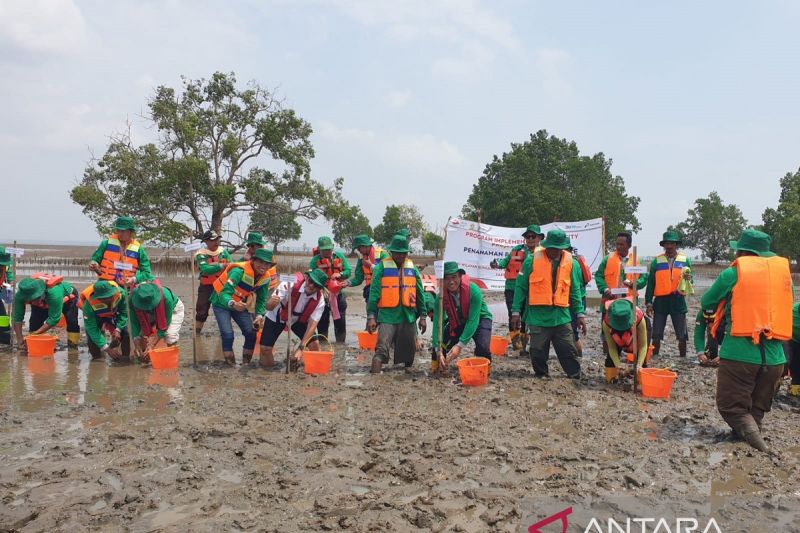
(794, 361)
(124, 342)
(39, 315)
(340, 325)
(5, 331)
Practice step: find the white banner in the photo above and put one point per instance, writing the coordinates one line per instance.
(475, 245)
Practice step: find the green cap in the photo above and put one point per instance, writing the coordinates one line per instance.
(404, 232)
(146, 296)
(556, 238)
(399, 244)
(533, 228)
(362, 240)
(324, 243)
(103, 289)
(255, 237)
(264, 255)
(318, 277)
(671, 236)
(5, 257)
(31, 289)
(451, 267)
(125, 223)
(754, 241)
(620, 315)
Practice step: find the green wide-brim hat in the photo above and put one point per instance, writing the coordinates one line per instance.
(754, 241)
(146, 297)
(399, 244)
(556, 238)
(533, 228)
(31, 289)
(125, 223)
(5, 257)
(103, 289)
(671, 236)
(255, 237)
(264, 255)
(318, 277)
(361, 240)
(451, 267)
(324, 243)
(405, 232)
(620, 315)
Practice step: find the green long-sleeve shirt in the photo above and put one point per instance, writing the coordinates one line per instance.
(54, 297)
(170, 300)
(224, 297)
(143, 273)
(547, 316)
(8, 272)
(208, 269)
(796, 322)
(393, 315)
(90, 320)
(358, 275)
(477, 311)
(733, 348)
(700, 330)
(345, 264)
(665, 305)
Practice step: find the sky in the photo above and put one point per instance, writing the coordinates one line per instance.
(409, 100)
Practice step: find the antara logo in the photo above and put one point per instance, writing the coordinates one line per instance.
(629, 525)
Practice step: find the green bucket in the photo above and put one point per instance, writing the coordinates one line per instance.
(5, 321)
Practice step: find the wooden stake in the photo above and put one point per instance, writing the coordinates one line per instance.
(635, 325)
(440, 305)
(288, 326)
(194, 314)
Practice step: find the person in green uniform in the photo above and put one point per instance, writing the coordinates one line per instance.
(396, 301)
(122, 247)
(369, 256)
(255, 241)
(157, 315)
(6, 279)
(335, 265)
(756, 285)
(211, 261)
(618, 329)
(50, 298)
(468, 317)
(105, 314)
(663, 297)
(512, 263)
(548, 287)
(794, 352)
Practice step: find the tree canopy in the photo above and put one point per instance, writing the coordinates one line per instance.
(433, 242)
(710, 226)
(783, 223)
(545, 179)
(222, 151)
(397, 217)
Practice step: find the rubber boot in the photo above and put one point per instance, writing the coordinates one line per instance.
(73, 339)
(682, 348)
(754, 439)
(794, 390)
(611, 374)
(247, 356)
(198, 328)
(376, 366)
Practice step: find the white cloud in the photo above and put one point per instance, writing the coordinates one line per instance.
(398, 98)
(41, 26)
(554, 65)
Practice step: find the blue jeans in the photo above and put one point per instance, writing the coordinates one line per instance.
(242, 319)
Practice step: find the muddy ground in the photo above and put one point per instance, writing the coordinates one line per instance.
(90, 446)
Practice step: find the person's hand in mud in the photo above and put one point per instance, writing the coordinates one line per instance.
(113, 353)
(238, 306)
(454, 352)
(649, 310)
(582, 325)
(372, 325)
(298, 355)
(423, 325)
(515, 322)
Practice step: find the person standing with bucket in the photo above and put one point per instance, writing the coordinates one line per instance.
(50, 298)
(468, 317)
(105, 313)
(757, 293)
(157, 314)
(122, 247)
(6, 278)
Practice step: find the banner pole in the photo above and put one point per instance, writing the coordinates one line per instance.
(635, 325)
(440, 305)
(288, 327)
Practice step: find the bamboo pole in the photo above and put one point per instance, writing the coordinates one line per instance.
(440, 305)
(635, 325)
(194, 314)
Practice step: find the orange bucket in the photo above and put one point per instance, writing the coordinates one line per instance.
(474, 371)
(317, 362)
(62, 322)
(367, 340)
(164, 358)
(656, 382)
(41, 345)
(498, 345)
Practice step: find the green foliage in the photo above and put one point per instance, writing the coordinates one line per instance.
(433, 242)
(545, 179)
(346, 220)
(710, 227)
(783, 223)
(204, 168)
(396, 218)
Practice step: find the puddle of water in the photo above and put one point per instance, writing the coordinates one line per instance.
(357, 489)
(715, 458)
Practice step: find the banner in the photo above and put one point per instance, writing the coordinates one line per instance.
(475, 245)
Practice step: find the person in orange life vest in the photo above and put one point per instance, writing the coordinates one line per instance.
(231, 291)
(157, 315)
(395, 302)
(618, 324)
(757, 293)
(369, 256)
(611, 275)
(336, 267)
(105, 314)
(709, 332)
(50, 297)
(512, 263)
(308, 303)
(121, 247)
(548, 287)
(6, 278)
(663, 297)
(211, 262)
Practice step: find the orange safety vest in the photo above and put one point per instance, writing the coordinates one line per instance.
(367, 270)
(330, 267)
(101, 310)
(212, 259)
(540, 283)
(50, 281)
(668, 279)
(397, 290)
(613, 271)
(515, 263)
(761, 300)
(247, 285)
(114, 254)
(273, 277)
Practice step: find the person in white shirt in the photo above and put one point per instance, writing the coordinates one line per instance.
(308, 304)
